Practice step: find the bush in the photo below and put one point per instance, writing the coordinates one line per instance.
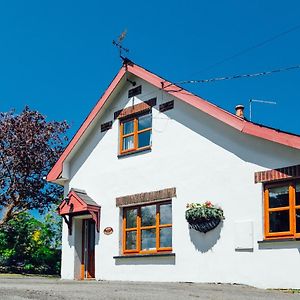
(28, 245)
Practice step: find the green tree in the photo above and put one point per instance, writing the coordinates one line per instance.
(30, 245)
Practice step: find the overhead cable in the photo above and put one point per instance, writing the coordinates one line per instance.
(246, 50)
(236, 76)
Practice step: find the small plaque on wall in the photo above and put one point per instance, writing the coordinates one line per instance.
(108, 231)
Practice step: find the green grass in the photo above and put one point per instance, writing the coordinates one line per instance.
(9, 275)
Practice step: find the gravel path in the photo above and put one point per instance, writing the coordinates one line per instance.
(20, 288)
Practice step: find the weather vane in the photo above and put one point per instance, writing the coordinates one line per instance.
(118, 44)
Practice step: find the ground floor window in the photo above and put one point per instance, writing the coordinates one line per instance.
(282, 210)
(147, 228)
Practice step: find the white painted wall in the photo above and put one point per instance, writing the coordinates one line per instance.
(205, 160)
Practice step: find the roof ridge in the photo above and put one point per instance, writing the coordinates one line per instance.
(240, 124)
(188, 91)
(76, 190)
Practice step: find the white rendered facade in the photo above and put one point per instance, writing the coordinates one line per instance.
(204, 159)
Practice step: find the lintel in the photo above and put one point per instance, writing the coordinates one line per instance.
(141, 198)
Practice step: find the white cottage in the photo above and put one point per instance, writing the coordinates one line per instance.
(146, 150)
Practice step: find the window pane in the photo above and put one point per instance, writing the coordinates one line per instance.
(279, 196)
(148, 239)
(297, 220)
(144, 139)
(130, 240)
(279, 221)
(166, 237)
(165, 214)
(145, 122)
(128, 142)
(128, 127)
(298, 194)
(148, 215)
(131, 215)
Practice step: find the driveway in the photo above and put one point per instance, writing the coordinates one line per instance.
(20, 288)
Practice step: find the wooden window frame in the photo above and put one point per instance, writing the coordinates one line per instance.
(292, 207)
(135, 133)
(139, 229)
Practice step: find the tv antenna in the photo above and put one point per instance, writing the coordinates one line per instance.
(258, 101)
(118, 44)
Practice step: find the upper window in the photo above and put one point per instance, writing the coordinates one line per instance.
(135, 133)
(147, 228)
(282, 210)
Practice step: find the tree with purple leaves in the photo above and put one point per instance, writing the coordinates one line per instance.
(29, 146)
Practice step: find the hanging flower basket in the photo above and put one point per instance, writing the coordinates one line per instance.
(204, 217)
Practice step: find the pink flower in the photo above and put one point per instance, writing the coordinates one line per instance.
(208, 204)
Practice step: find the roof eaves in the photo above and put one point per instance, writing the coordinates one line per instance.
(57, 168)
(226, 117)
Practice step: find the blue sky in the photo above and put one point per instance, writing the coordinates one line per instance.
(57, 56)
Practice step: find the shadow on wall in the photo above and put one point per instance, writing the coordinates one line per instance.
(279, 245)
(85, 151)
(71, 240)
(165, 260)
(246, 147)
(204, 242)
(95, 136)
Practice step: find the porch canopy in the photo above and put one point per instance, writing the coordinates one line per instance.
(78, 203)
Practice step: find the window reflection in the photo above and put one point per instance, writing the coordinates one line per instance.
(279, 196)
(148, 228)
(148, 215)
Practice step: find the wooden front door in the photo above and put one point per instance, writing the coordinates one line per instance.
(88, 249)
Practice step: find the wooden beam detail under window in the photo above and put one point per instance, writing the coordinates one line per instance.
(146, 197)
(135, 109)
(277, 174)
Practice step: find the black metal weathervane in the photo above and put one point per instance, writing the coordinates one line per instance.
(118, 44)
(122, 49)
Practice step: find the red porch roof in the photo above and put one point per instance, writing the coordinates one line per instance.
(79, 203)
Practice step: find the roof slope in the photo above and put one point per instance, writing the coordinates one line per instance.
(246, 127)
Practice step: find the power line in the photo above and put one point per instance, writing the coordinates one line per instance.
(258, 45)
(236, 76)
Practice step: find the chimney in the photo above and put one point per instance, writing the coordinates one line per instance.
(239, 111)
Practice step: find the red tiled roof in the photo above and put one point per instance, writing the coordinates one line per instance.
(228, 118)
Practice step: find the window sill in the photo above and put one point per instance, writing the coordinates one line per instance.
(283, 240)
(146, 149)
(143, 255)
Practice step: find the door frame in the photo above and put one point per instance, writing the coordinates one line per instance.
(87, 269)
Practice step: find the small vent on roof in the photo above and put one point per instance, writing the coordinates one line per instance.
(166, 106)
(135, 91)
(106, 126)
(151, 102)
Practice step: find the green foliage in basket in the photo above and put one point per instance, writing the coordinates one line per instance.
(197, 211)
